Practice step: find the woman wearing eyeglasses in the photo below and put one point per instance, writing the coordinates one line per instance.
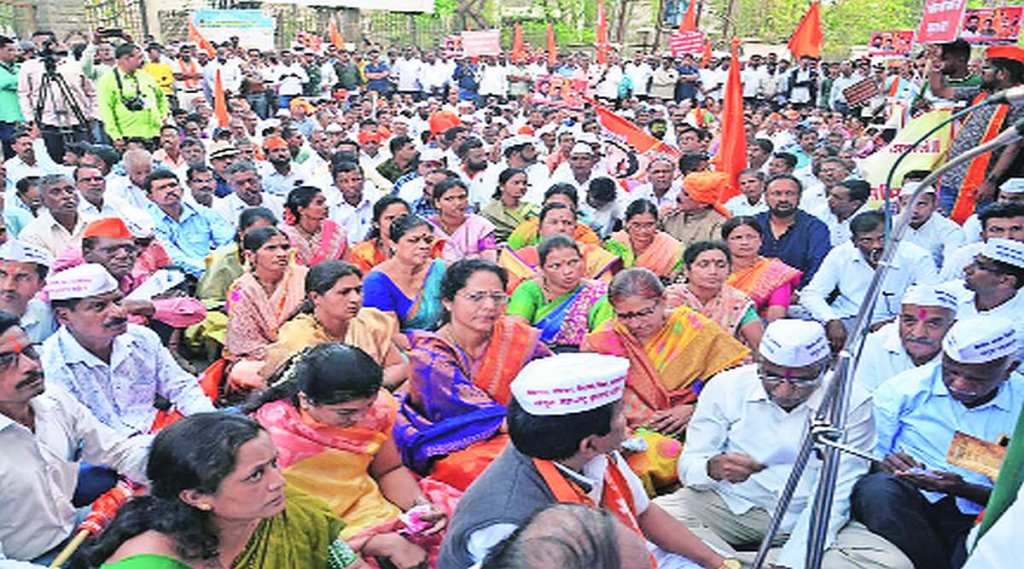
(450, 419)
(642, 244)
(672, 353)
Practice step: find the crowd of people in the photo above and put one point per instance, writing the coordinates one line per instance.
(398, 308)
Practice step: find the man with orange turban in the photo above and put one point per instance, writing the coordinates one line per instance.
(698, 214)
(974, 183)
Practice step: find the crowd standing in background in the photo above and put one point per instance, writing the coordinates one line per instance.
(388, 307)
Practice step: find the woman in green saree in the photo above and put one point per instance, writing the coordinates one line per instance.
(218, 500)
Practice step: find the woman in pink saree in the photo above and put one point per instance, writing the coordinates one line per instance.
(314, 237)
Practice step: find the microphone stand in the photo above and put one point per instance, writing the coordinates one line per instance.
(826, 431)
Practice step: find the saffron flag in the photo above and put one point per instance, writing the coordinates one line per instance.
(808, 37)
(689, 23)
(220, 104)
(552, 48)
(705, 58)
(732, 148)
(198, 39)
(601, 34)
(518, 52)
(627, 132)
(335, 36)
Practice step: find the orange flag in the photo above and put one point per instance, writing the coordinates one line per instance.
(335, 36)
(705, 57)
(808, 37)
(601, 34)
(689, 23)
(220, 104)
(197, 38)
(628, 132)
(518, 53)
(552, 48)
(732, 148)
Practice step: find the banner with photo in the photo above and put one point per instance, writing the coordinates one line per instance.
(992, 26)
(891, 44)
(940, 22)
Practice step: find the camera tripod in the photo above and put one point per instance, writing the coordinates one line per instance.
(51, 86)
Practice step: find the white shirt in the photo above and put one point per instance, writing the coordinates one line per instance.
(121, 393)
(112, 207)
(231, 206)
(839, 85)
(409, 73)
(290, 79)
(839, 231)
(1002, 541)
(754, 80)
(434, 75)
(123, 190)
(639, 76)
(646, 192)
(801, 94)
(280, 185)
(609, 86)
(971, 229)
(39, 470)
(1012, 310)
(740, 205)
(713, 81)
(844, 268)
(17, 169)
(886, 358)
(480, 542)
(939, 235)
(230, 74)
(734, 414)
(954, 265)
(357, 220)
(493, 80)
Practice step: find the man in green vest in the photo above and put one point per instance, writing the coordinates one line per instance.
(131, 105)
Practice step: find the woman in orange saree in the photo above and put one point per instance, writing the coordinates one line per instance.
(331, 421)
(643, 245)
(378, 246)
(768, 282)
(450, 419)
(672, 353)
(528, 233)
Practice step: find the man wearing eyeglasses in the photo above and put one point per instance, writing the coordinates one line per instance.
(46, 434)
(741, 446)
(116, 369)
(919, 500)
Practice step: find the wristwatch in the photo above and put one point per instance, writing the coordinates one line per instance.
(731, 564)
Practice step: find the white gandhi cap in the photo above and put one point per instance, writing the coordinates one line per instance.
(930, 295)
(1012, 186)
(570, 383)
(83, 281)
(794, 343)
(980, 340)
(1005, 251)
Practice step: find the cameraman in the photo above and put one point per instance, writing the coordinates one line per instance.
(10, 112)
(58, 121)
(131, 105)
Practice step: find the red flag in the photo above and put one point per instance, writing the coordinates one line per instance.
(220, 104)
(732, 148)
(686, 42)
(552, 48)
(197, 38)
(518, 53)
(689, 23)
(808, 37)
(705, 57)
(601, 34)
(628, 132)
(334, 35)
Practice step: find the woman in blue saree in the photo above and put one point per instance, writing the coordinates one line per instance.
(559, 301)
(408, 284)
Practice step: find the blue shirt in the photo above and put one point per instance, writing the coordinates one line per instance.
(803, 246)
(379, 85)
(915, 414)
(191, 238)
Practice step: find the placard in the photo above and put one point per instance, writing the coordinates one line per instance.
(485, 42)
(940, 22)
(992, 26)
(891, 44)
(253, 28)
(686, 43)
(860, 92)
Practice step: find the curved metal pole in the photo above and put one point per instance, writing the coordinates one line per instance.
(833, 409)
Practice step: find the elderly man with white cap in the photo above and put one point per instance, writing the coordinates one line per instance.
(116, 369)
(46, 434)
(914, 339)
(741, 446)
(919, 501)
(580, 170)
(996, 278)
(566, 424)
(23, 270)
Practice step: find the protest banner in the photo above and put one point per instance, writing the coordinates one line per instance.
(686, 42)
(992, 26)
(940, 22)
(253, 28)
(925, 157)
(485, 42)
(891, 44)
(860, 92)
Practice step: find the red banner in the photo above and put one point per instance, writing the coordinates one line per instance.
(686, 42)
(940, 22)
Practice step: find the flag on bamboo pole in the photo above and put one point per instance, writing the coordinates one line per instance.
(689, 23)
(518, 52)
(552, 48)
(601, 34)
(220, 104)
(808, 37)
(732, 148)
(334, 35)
(705, 58)
(197, 38)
